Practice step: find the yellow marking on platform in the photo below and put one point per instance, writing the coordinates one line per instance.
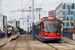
(13, 38)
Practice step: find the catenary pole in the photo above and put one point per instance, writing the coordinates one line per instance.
(33, 19)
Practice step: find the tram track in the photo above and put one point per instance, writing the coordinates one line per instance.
(61, 46)
(28, 43)
(24, 44)
(52, 46)
(69, 45)
(16, 43)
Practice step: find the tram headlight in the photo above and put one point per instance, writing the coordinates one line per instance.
(46, 33)
(58, 33)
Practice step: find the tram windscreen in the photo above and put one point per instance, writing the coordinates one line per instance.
(52, 26)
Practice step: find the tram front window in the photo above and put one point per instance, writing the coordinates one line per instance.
(52, 26)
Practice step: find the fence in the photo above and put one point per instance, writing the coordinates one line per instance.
(2, 35)
(68, 35)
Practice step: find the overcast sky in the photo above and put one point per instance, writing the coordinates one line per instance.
(14, 5)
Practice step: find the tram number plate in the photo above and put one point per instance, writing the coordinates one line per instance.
(53, 39)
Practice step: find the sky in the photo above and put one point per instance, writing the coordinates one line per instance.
(14, 5)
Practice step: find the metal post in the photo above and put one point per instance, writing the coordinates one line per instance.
(28, 24)
(39, 15)
(30, 19)
(6, 31)
(6, 35)
(33, 19)
(22, 8)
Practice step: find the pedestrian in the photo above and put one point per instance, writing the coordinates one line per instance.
(9, 33)
(0, 34)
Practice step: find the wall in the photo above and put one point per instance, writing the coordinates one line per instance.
(1, 22)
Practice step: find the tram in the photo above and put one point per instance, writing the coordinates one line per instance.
(48, 29)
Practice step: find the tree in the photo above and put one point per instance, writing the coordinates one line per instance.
(20, 29)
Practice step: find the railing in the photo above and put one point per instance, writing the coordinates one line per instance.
(68, 35)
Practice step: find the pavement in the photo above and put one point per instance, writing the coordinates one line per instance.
(3, 41)
(65, 39)
(73, 36)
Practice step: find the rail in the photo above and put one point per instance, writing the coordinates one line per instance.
(16, 43)
(27, 43)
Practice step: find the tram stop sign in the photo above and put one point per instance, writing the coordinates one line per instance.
(5, 27)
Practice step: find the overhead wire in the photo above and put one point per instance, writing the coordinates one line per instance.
(42, 3)
(26, 4)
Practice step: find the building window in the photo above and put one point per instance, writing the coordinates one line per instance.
(68, 7)
(72, 7)
(67, 12)
(71, 12)
(71, 18)
(71, 24)
(63, 18)
(67, 24)
(67, 18)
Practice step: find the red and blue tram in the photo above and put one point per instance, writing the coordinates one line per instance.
(48, 29)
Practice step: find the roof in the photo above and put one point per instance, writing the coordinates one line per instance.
(10, 22)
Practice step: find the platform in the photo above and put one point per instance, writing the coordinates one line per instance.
(3, 41)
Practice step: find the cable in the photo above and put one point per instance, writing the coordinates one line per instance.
(26, 4)
(42, 3)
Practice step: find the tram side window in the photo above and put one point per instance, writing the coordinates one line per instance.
(41, 28)
(38, 28)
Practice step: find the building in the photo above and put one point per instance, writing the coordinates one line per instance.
(3, 22)
(13, 24)
(52, 13)
(0, 7)
(66, 13)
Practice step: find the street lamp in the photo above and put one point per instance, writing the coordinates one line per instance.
(39, 9)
